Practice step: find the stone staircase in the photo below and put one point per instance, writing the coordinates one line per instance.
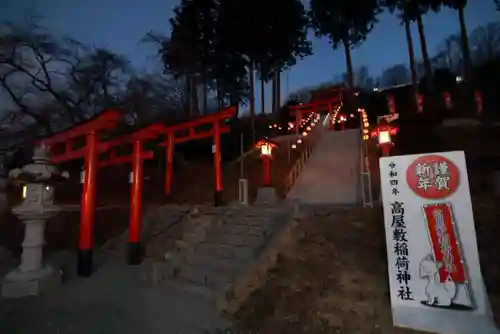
(310, 145)
(220, 253)
(159, 222)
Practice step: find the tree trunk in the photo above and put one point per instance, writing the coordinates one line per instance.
(189, 96)
(278, 90)
(262, 95)
(465, 45)
(252, 99)
(413, 65)
(273, 109)
(205, 94)
(348, 59)
(194, 96)
(425, 54)
(219, 97)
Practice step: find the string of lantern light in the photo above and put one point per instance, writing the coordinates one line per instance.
(365, 124)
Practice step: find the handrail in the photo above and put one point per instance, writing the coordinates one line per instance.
(306, 154)
(365, 174)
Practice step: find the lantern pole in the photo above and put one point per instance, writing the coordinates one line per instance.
(420, 103)
(266, 161)
(479, 102)
(386, 149)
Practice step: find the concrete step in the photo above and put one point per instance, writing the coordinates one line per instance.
(254, 224)
(258, 230)
(239, 253)
(228, 267)
(237, 239)
(239, 220)
(203, 276)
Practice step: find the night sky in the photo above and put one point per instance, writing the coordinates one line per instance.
(120, 24)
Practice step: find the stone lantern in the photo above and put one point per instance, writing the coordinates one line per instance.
(37, 178)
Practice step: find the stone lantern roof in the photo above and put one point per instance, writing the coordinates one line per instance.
(40, 170)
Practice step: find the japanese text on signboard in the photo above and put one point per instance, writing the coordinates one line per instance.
(435, 174)
(393, 178)
(400, 238)
(400, 249)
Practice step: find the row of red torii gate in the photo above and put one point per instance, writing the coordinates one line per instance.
(63, 148)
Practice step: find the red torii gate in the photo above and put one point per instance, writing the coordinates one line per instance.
(93, 147)
(90, 130)
(175, 137)
(134, 254)
(305, 108)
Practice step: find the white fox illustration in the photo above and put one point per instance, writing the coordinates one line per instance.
(438, 293)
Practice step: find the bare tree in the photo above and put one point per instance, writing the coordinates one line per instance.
(153, 97)
(55, 83)
(96, 78)
(29, 72)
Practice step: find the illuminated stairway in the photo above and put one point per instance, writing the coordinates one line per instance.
(331, 176)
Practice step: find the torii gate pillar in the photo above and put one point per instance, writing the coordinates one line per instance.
(87, 213)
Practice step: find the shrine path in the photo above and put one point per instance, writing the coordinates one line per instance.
(331, 176)
(113, 300)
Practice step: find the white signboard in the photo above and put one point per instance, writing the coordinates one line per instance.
(434, 274)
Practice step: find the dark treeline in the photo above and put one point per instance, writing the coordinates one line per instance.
(447, 58)
(210, 59)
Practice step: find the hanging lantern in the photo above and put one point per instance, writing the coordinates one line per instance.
(479, 102)
(266, 147)
(420, 103)
(447, 100)
(266, 153)
(384, 132)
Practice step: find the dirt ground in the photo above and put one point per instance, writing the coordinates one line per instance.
(334, 279)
